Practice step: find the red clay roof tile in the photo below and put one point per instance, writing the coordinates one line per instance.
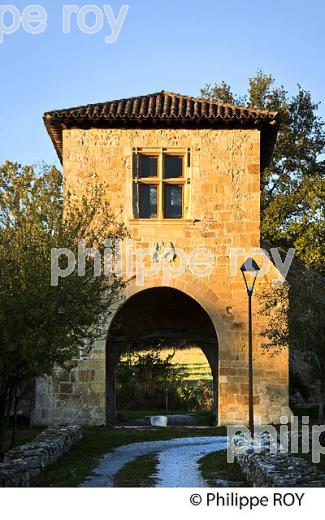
(163, 109)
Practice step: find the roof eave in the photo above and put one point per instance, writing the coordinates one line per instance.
(268, 128)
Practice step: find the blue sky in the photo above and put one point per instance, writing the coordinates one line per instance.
(175, 45)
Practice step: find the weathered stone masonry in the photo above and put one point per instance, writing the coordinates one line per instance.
(25, 462)
(222, 212)
(266, 468)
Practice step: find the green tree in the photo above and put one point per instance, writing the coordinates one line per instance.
(292, 186)
(292, 215)
(42, 325)
(295, 311)
(148, 381)
(220, 92)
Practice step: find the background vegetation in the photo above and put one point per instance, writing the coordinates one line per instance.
(150, 381)
(292, 215)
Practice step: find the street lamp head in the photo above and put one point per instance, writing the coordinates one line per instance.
(250, 270)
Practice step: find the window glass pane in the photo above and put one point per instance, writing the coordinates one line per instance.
(148, 201)
(173, 201)
(148, 166)
(173, 167)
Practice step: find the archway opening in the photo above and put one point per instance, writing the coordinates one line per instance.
(166, 321)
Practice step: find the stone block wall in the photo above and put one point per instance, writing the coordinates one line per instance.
(222, 212)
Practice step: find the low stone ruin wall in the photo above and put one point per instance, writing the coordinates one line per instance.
(262, 468)
(25, 462)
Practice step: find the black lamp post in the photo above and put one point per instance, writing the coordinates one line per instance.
(250, 271)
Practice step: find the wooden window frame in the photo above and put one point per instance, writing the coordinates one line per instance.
(159, 181)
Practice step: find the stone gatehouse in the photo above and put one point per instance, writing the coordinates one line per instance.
(186, 173)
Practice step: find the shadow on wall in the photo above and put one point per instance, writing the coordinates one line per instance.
(161, 317)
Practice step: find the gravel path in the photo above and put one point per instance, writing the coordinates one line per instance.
(177, 461)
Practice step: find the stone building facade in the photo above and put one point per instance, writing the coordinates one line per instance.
(186, 173)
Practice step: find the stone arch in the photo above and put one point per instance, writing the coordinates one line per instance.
(200, 302)
(196, 288)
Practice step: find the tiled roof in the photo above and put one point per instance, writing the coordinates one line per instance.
(161, 109)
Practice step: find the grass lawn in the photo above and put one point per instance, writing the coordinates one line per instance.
(138, 473)
(24, 434)
(204, 418)
(214, 466)
(74, 467)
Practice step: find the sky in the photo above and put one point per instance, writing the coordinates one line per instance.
(175, 45)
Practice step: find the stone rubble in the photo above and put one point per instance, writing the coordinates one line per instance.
(25, 462)
(263, 468)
